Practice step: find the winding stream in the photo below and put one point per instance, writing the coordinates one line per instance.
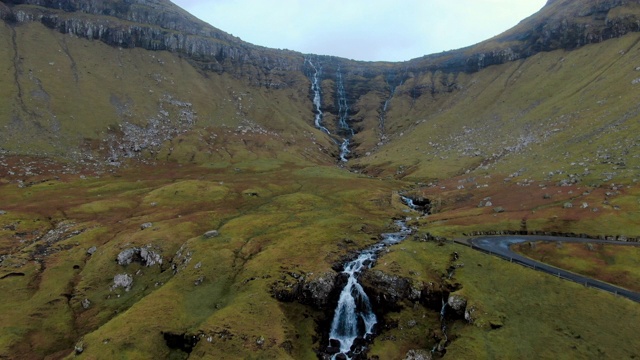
(354, 318)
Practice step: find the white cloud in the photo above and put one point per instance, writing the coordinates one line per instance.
(390, 30)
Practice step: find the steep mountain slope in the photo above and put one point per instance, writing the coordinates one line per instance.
(170, 191)
(383, 100)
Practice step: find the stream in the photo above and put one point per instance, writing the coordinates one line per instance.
(354, 318)
(317, 96)
(343, 116)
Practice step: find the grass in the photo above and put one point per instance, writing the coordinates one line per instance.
(260, 238)
(544, 313)
(616, 264)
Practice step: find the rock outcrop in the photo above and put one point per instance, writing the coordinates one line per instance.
(160, 25)
(317, 291)
(146, 255)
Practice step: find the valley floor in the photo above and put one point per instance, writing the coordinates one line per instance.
(178, 260)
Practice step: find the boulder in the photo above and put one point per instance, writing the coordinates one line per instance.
(145, 255)
(125, 257)
(211, 234)
(91, 250)
(420, 354)
(457, 303)
(146, 225)
(79, 347)
(122, 280)
(150, 257)
(85, 303)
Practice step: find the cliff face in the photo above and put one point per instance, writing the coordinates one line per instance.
(160, 25)
(154, 25)
(561, 24)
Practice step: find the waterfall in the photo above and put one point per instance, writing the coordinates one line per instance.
(409, 202)
(317, 96)
(385, 106)
(354, 317)
(343, 116)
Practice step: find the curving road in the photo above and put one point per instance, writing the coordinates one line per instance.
(501, 246)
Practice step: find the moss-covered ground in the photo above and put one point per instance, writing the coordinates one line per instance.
(273, 219)
(518, 312)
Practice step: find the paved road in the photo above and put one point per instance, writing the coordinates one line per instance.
(500, 246)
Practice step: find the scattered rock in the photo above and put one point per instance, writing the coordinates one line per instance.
(146, 255)
(2, 212)
(122, 280)
(150, 257)
(418, 355)
(498, 209)
(79, 348)
(181, 259)
(567, 205)
(468, 314)
(92, 250)
(457, 303)
(199, 280)
(211, 234)
(146, 225)
(125, 257)
(260, 341)
(411, 323)
(198, 265)
(85, 303)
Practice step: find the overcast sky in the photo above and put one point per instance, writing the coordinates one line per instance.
(389, 30)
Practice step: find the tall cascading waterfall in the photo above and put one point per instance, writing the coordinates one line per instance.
(354, 317)
(385, 105)
(343, 117)
(317, 95)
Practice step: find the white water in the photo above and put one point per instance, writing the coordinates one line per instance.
(354, 317)
(343, 115)
(409, 202)
(317, 96)
(383, 113)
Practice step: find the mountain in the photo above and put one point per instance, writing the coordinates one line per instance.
(168, 190)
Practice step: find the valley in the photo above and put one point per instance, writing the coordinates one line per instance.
(170, 191)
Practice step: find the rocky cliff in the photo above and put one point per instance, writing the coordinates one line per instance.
(154, 25)
(160, 25)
